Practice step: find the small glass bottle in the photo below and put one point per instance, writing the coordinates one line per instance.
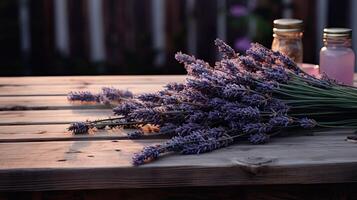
(337, 59)
(288, 38)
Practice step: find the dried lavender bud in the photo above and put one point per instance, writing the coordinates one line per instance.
(258, 138)
(110, 94)
(147, 154)
(307, 123)
(260, 53)
(236, 113)
(198, 117)
(277, 74)
(248, 64)
(150, 97)
(254, 100)
(225, 49)
(277, 106)
(234, 91)
(202, 85)
(283, 121)
(177, 87)
(135, 134)
(199, 141)
(79, 128)
(82, 96)
(215, 116)
(126, 107)
(266, 87)
(186, 129)
(253, 128)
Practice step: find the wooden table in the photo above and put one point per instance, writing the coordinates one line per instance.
(39, 159)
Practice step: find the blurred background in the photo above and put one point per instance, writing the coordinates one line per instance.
(94, 37)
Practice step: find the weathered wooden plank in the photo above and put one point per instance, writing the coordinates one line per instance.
(45, 103)
(51, 116)
(58, 132)
(89, 80)
(107, 164)
(32, 133)
(62, 90)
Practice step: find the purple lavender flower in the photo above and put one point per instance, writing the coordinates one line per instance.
(248, 64)
(254, 100)
(82, 96)
(277, 106)
(197, 117)
(236, 113)
(227, 65)
(186, 129)
(149, 97)
(215, 116)
(126, 107)
(147, 154)
(79, 128)
(277, 74)
(202, 85)
(177, 87)
(226, 50)
(253, 128)
(266, 87)
(199, 141)
(307, 123)
(283, 121)
(260, 53)
(216, 103)
(113, 94)
(135, 134)
(234, 91)
(258, 138)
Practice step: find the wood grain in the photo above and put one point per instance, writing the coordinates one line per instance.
(107, 164)
(44, 117)
(58, 132)
(63, 90)
(45, 103)
(89, 80)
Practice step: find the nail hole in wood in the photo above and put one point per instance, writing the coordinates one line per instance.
(117, 150)
(115, 141)
(61, 160)
(90, 156)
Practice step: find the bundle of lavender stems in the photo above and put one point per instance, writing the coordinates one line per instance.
(251, 97)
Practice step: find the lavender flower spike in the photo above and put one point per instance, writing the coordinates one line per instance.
(307, 123)
(147, 154)
(225, 49)
(82, 96)
(258, 138)
(79, 128)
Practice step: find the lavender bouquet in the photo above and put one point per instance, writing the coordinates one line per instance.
(251, 97)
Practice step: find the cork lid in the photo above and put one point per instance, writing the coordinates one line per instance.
(288, 25)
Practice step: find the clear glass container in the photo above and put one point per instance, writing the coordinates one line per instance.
(288, 38)
(337, 58)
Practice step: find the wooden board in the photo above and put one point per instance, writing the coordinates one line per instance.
(107, 164)
(51, 116)
(37, 153)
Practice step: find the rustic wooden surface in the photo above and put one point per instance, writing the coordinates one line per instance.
(38, 154)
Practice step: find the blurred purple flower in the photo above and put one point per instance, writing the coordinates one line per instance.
(242, 43)
(238, 10)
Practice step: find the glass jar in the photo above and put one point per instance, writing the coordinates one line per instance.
(288, 38)
(337, 59)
